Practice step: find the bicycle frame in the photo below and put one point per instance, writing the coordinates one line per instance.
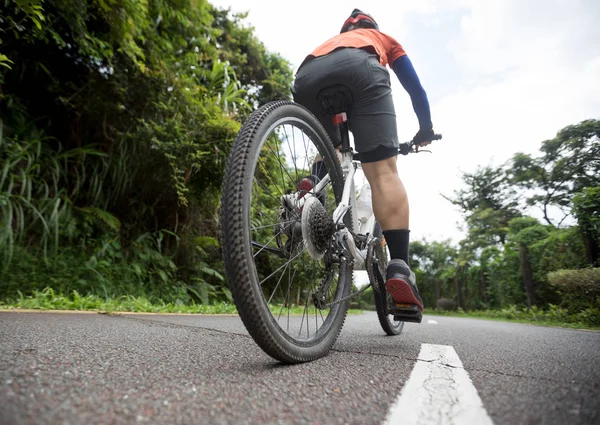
(349, 202)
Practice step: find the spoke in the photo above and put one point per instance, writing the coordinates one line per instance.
(286, 301)
(307, 165)
(302, 322)
(290, 281)
(267, 190)
(292, 153)
(305, 312)
(288, 262)
(280, 164)
(278, 282)
(277, 286)
(320, 310)
(270, 240)
(272, 220)
(305, 151)
(313, 290)
(282, 167)
(294, 143)
(268, 175)
(271, 225)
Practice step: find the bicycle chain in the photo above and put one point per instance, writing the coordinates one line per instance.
(347, 297)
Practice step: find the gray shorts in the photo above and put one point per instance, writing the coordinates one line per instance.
(372, 117)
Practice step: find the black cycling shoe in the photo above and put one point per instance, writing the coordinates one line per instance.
(401, 284)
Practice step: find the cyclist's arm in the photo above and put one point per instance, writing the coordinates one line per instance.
(410, 81)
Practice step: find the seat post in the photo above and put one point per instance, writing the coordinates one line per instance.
(341, 122)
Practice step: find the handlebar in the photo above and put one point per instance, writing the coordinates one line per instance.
(409, 147)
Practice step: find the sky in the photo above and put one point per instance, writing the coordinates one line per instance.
(501, 76)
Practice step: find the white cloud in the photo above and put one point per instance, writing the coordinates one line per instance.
(512, 73)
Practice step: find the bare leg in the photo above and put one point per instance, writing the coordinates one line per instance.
(390, 202)
(390, 205)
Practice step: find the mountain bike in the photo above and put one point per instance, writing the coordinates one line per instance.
(290, 255)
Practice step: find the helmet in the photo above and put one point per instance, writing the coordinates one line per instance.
(359, 19)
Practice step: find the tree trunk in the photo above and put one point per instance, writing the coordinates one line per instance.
(465, 293)
(592, 249)
(527, 274)
(484, 285)
(458, 286)
(436, 282)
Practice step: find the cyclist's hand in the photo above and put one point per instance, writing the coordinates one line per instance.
(423, 137)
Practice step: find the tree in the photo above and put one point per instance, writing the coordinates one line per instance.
(526, 231)
(127, 110)
(487, 203)
(586, 207)
(487, 256)
(568, 164)
(433, 264)
(265, 76)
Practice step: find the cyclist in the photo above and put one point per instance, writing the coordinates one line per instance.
(357, 59)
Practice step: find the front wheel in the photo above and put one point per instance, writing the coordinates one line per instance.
(273, 271)
(382, 297)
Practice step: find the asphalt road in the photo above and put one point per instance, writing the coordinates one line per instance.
(129, 369)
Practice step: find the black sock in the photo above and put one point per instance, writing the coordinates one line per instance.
(397, 242)
(319, 170)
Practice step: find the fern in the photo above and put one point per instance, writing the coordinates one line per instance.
(103, 216)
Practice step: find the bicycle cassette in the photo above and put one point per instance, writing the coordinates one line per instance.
(317, 228)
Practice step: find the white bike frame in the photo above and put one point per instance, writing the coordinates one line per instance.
(348, 204)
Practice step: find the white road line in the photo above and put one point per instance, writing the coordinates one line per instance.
(438, 391)
(432, 322)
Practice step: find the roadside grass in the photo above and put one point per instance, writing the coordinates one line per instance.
(49, 300)
(554, 317)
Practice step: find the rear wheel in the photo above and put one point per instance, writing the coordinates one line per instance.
(383, 299)
(277, 248)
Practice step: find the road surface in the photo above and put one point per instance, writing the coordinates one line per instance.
(151, 369)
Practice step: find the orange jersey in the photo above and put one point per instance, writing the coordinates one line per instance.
(385, 46)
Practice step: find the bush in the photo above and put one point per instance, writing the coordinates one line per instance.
(580, 289)
(366, 301)
(446, 304)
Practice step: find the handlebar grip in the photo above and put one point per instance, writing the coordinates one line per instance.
(406, 148)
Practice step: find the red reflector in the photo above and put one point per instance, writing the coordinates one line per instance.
(340, 118)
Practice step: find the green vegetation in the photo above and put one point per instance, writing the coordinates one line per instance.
(115, 122)
(49, 300)
(510, 264)
(552, 316)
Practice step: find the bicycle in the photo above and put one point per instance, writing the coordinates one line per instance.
(312, 242)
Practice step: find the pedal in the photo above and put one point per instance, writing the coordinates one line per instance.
(406, 313)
